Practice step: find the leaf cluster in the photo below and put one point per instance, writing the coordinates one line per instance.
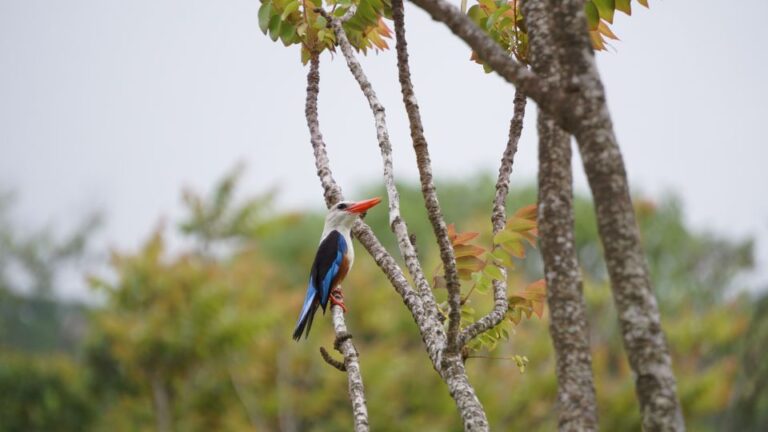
(479, 268)
(298, 22)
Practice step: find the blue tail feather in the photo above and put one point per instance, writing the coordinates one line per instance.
(307, 313)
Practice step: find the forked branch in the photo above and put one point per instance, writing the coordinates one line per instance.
(498, 220)
(428, 190)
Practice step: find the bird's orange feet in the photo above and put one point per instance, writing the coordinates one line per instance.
(337, 298)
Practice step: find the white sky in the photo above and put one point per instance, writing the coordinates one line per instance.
(117, 105)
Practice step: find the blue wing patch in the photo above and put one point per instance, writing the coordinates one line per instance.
(327, 269)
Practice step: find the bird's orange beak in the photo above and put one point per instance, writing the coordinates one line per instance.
(362, 206)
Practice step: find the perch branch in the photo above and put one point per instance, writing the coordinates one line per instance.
(424, 164)
(332, 194)
(498, 220)
(344, 345)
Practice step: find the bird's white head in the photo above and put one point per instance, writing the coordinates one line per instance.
(343, 214)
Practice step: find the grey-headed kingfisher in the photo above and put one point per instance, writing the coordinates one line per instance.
(333, 261)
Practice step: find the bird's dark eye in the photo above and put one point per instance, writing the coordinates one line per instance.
(341, 206)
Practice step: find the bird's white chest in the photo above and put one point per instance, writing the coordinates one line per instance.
(350, 249)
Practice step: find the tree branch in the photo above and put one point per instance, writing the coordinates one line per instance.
(568, 326)
(498, 220)
(344, 345)
(424, 164)
(332, 194)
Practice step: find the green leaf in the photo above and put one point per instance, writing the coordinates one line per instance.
(289, 9)
(265, 13)
(493, 272)
(643, 2)
(624, 6)
(504, 258)
(593, 17)
(606, 9)
(305, 55)
(274, 27)
(287, 33)
(520, 224)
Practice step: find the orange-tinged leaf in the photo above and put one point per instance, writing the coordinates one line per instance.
(507, 236)
(463, 250)
(520, 224)
(439, 282)
(464, 237)
(643, 2)
(465, 274)
(451, 228)
(526, 212)
(516, 249)
(597, 40)
(536, 293)
(604, 29)
(471, 263)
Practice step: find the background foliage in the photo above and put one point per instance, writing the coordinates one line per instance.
(207, 328)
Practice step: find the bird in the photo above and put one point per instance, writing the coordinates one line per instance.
(333, 261)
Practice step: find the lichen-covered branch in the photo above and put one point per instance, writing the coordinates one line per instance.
(420, 147)
(499, 219)
(331, 190)
(569, 329)
(639, 317)
(352, 367)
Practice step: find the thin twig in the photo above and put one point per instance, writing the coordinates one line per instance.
(424, 164)
(498, 220)
(332, 361)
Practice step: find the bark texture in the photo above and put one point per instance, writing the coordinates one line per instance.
(569, 328)
(638, 311)
(498, 220)
(420, 147)
(352, 367)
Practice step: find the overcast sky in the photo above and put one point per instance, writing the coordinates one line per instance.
(118, 105)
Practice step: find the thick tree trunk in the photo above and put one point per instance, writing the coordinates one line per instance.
(577, 409)
(638, 311)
